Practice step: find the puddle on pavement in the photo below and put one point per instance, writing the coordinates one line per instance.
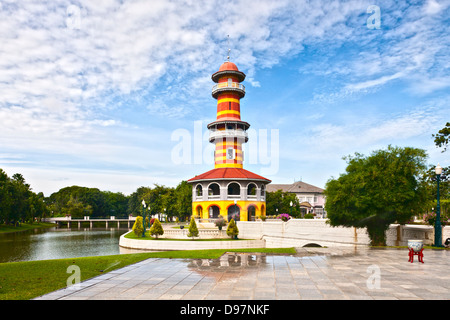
(230, 260)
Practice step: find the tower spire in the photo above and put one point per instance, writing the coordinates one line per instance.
(228, 45)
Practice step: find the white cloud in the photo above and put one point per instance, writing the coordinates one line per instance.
(107, 82)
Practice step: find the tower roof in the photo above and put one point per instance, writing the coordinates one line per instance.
(227, 65)
(229, 174)
(228, 68)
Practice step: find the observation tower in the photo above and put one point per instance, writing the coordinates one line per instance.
(228, 190)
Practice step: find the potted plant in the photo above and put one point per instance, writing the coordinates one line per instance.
(220, 223)
(284, 217)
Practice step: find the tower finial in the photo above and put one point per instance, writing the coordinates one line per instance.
(228, 44)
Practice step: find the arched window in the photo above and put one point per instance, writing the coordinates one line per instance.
(251, 189)
(234, 213)
(251, 212)
(199, 191)
(214, 212)
(214, 190)
(199, 211)
(234, 189)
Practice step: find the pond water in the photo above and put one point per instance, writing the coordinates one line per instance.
(59, 243)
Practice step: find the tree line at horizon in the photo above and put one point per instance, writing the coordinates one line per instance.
(390, 185)
(18, 203)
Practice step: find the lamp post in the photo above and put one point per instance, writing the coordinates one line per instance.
(143, 217)
(437, 225)
(290, 208)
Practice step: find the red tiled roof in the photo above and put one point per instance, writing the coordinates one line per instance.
(227, 65)
(228, 173)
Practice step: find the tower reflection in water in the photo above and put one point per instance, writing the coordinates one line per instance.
(229, 260)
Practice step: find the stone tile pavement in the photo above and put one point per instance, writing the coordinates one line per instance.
(312, 274)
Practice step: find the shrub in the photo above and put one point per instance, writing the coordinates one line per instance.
(138, 227)
(156, 229)
(193, 231)
(309, 216)
(430, 218)
(232, 229)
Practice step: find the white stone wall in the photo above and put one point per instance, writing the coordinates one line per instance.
(166, 245)
(301, 232)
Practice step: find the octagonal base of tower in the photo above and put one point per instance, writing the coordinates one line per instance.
(229, 192)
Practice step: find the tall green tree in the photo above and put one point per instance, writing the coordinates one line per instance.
(183, 200)
(5, 197)
(17, 201)
(441, 139)
(378, 190)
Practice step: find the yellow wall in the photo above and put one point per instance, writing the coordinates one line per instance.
(225, 204)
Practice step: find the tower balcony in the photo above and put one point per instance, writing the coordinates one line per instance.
(227, 134)
(227, 87)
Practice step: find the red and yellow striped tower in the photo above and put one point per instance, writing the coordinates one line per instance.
(228, 190)
(228, 132)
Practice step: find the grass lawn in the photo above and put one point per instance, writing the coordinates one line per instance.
(25, 226)
(30, 279)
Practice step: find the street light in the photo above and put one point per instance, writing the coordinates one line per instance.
(143, 217)
(437, 225)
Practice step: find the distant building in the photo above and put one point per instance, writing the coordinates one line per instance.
(311, 198)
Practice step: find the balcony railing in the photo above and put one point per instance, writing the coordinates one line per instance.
(227, 85)
(224, 134)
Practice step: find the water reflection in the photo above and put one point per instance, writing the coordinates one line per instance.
(230, 260)
(59, 243)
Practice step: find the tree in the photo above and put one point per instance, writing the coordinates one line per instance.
(183, 202)
(5, 197)
(135, 200)
(378, 190)
(193, 231)
(20, 192)
(281, 200)
(232, 229)
(116, 203)
(77, 209)
(79, 201)
(441, 139)
(156, 229)
(138, 226)
(444, 190)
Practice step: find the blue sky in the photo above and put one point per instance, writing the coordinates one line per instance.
(106, 93)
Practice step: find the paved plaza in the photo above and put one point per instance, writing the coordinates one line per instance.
(314, 273)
